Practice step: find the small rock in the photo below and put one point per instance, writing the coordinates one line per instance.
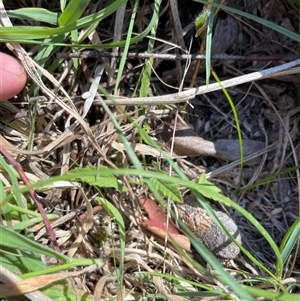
(211, 235)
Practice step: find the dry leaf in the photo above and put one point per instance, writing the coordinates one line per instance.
(157, 224)
(32, 284)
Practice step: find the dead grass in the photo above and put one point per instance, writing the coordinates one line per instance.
(268, 112)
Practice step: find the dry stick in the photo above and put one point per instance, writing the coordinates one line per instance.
(177, 34)
(118, 28)
(191, 93)
(198, 64)
(176, 24)
(171, 57)
(33, 195)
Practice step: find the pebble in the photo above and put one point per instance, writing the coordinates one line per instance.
(209, 233)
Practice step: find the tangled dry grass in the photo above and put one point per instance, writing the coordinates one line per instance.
(268, 112)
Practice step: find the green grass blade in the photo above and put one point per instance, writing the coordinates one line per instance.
(204, 290)
(72, 263)
(73, 12)
(207, 189)
(30, 222)
(113, 211)
(20, 33)
(16, 188)
(147, 70)
(289, 240)
(63, 291)
(271, 295)
(36, 14)
(31, 34)
(17, 241)
(104, 178)
(5, 210)
(18, 264)
(63, 4)
(292, 35)
(23, 210)
(209, 35)
(237, 122)
(271, 178)
(126, 47)
(145, 78)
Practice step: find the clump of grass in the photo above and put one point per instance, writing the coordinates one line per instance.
(94, 169)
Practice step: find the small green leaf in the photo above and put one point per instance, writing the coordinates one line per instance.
(103, 177)
(169, 190)
(208, 189)
(146, 75)
(201, 21)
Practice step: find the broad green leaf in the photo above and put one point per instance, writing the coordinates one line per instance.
(205, 183)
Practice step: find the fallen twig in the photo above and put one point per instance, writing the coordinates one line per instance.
(171, 57)
(191, 93)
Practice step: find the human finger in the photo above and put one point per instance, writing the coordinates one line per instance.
(12, 76)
